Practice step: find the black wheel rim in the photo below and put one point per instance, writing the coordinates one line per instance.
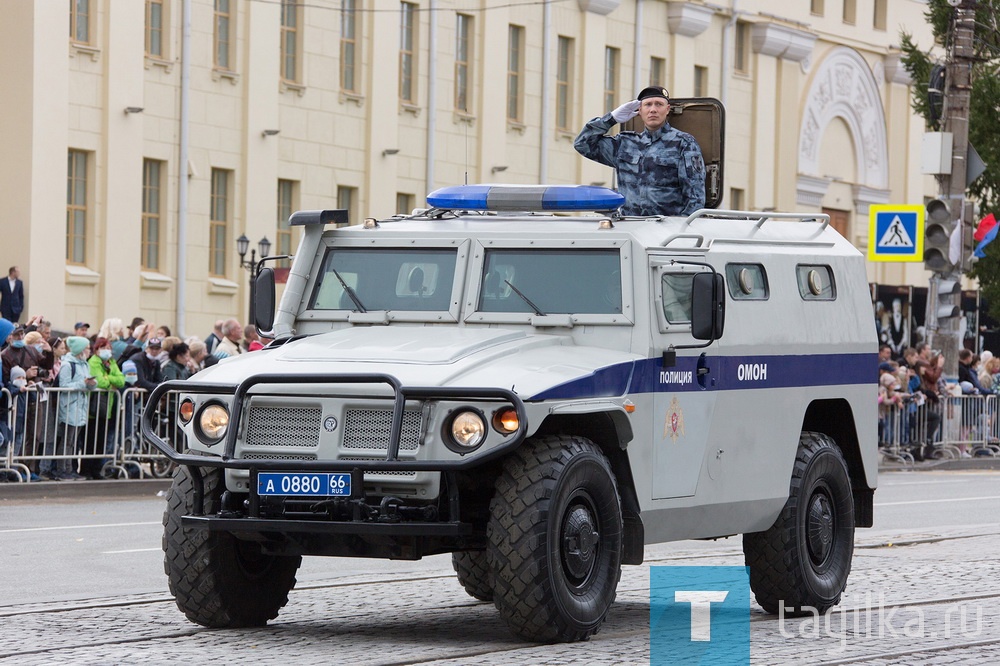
(580, 539)
(821, 526)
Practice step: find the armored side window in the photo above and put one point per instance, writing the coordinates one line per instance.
(676, 291)
(747, 282)
(816, 282)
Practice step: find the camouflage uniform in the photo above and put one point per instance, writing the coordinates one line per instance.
(659, 173)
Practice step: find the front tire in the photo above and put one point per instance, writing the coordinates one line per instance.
(803, 560)
(216, 579)
(474, 573)
(555, 539)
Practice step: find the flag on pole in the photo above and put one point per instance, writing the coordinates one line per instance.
(987, 238)
(985, 225)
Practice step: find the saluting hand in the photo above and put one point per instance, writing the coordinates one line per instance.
(626, 111)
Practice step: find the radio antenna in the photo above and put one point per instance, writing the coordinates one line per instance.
(466, 152)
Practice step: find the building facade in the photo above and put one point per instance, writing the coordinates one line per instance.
(274, 106)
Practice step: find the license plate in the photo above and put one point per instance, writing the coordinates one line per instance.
(305, 484)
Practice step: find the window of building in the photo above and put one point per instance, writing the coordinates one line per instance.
(407, 52)
(154, 28)
(76, 208)
(463, 61)
(816, 7)
(880, 20)
(283, 235)
(348, 45)
(347, 199)
(152, 172)
(218, 228)
(79, 21)
(290, 21)
(223, 33)
(736, 198)
(404, 203)
(612, 57)
(700, 81)
(564, 83)
(657, 70)
(850, 11)
(741, 57)
(515, 72)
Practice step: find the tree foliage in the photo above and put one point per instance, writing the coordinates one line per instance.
(984, 109)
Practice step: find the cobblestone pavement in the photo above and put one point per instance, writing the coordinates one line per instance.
(903, 605)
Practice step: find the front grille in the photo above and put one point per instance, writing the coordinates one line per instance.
(381, 472)
(276, 456)
(283, 426)
(370, 428)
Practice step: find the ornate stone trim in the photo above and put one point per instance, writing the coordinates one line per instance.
(868, 196)
(781, 41)
(894, 70)
(601, 7)
(689, 20)
(844, 87)
(810, 191)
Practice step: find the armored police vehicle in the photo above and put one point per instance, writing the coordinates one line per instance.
(540, 392)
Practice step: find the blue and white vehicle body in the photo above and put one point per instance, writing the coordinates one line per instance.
(499, 304)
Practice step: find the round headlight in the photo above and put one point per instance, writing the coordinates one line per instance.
(213, 422)
(468, 429)
(186, 410)
(505, 420)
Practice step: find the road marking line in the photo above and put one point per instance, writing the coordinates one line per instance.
(133, 550)
(76, 527)
(934, 501)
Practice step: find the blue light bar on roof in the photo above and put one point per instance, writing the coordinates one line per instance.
(525, 198)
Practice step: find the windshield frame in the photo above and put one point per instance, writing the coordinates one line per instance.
(333, 243)
(476, 316)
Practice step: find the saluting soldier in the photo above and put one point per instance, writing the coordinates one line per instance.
(660, 170)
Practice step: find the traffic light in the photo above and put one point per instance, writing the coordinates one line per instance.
(938, 226)
(949, 294)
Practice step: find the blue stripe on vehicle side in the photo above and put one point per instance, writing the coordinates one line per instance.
(725, 373)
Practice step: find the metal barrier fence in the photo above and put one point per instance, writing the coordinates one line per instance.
(954, 427)
(64, 433)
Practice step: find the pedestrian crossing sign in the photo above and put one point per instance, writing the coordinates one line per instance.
(896, 232)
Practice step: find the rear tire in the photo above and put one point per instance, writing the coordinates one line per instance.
(216, 579)
(555, 539)
(474, 573)
(803, 560)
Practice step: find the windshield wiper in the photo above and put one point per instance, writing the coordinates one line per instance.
(350, 292)
(526, 299)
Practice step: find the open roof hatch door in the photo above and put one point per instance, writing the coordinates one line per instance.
(704, 118)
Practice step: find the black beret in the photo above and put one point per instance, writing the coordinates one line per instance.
(653, 91)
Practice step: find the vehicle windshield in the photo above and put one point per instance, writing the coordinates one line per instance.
(552, 281)
(385, 279)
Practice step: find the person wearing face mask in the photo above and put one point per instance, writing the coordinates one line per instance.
(133, 404)
(77, 383)
(103, 404)
(147, 365)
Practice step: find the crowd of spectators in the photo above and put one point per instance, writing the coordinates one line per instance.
(94, 372)
(910, 393)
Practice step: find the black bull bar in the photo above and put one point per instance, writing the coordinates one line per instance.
(391, 462)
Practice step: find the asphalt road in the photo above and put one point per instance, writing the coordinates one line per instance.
(98, 556)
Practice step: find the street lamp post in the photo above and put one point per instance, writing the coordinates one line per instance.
(242, 245)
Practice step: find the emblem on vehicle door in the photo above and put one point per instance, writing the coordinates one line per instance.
(330, 423)
(673, 425)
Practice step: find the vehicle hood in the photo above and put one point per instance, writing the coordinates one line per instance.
(528, 363)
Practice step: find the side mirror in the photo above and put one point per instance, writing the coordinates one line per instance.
(263, 299)
(708, 306)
